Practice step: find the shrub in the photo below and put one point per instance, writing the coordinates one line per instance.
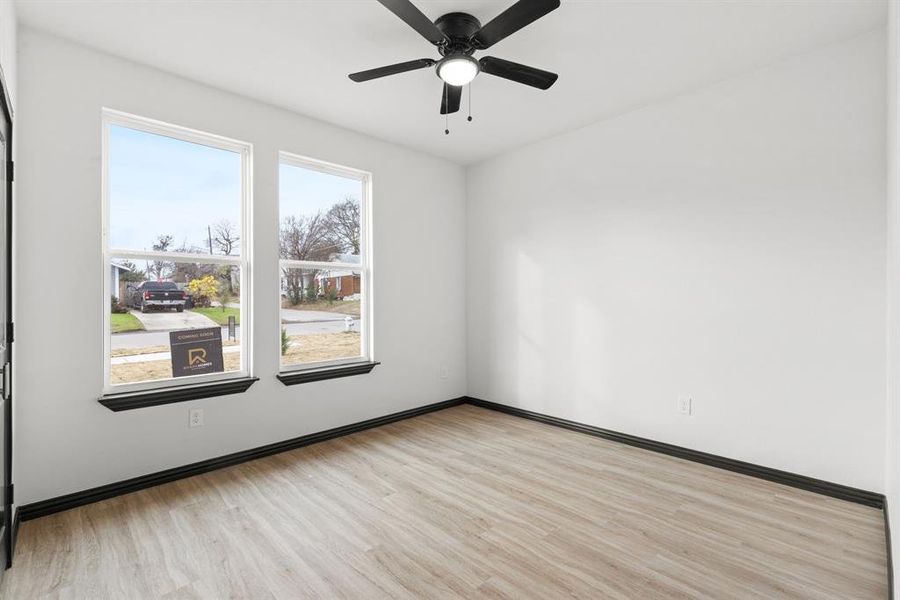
(294, 295)
(117, 307)
(312, 292)
(223, 296)
(203, 290)
(285, 341)
(331, 295)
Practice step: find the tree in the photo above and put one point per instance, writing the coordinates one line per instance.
(223, 296)
(307, 237)
(133, 275)
(161, 269)
(228, 275)
(225, 237)
(343, 223)
(183, 272)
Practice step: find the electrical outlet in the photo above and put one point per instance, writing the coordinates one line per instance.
(684, 405)
(195, 417)
(444, 372)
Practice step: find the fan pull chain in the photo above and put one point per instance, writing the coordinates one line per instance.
(446, 115)
(469, 118)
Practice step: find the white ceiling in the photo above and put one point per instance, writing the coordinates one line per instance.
(611, 56)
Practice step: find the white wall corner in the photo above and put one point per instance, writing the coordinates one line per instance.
(892, 405)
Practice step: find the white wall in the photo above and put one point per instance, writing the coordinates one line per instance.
(727, 244)
(67, 441)
(892, 420)
(8, 30)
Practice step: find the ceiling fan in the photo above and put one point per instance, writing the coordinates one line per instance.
(457, 36)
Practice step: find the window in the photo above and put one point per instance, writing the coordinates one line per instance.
(176, 258)
(324, 259)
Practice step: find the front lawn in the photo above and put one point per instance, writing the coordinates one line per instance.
(314, 347)
(344, 307)
(153, 370)
(121, 322)
(218, 315)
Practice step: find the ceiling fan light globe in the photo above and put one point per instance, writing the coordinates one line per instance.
(458, 70)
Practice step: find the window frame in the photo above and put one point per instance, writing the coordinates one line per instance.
(364, 267)
(111, 117)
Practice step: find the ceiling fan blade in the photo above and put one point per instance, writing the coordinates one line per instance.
(513, 19)
(450, 98)
(518, 73)
(391, 70)
(414, 17)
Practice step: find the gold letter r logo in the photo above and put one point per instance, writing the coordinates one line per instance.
(196, 356)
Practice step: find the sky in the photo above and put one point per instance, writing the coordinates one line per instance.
(160, 185)
(304, 191)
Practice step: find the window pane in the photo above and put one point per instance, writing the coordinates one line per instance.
(152, 299)
(320, 315)
(170, 195)
(320, 215)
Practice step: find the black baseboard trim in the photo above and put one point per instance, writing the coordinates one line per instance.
(887, 547)
(43, 508)
(810, 484)
(14, 533)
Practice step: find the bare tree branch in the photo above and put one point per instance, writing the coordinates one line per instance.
(343, 222)
(307, 237)
(161, 269)
(225, 236)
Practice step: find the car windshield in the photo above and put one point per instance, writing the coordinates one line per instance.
(159, 285)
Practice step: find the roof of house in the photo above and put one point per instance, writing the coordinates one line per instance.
(345, 258)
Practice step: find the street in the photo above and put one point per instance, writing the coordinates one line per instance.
(311, 322)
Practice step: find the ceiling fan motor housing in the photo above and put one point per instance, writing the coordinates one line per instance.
(459, 27)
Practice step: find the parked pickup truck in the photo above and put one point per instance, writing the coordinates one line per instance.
(156, 294)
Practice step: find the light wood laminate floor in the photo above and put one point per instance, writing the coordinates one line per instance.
(466, 503)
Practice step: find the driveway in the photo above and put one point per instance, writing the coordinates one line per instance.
(171, 321)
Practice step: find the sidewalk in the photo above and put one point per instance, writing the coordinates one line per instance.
(139, 358)
(293, 315)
